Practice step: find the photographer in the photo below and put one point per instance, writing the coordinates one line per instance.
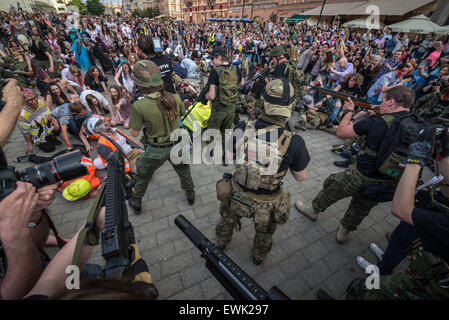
(427, 276)
(432, 105)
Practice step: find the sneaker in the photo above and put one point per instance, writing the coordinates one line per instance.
(306, 210)
(342, 234)
(136, 205)
(190, 196)
(363, 263)
(376, 251)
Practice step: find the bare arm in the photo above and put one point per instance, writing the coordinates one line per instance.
(212, 92)
(65, 136)
(24, 263)
(52, 281)
(52, 67)
(13, 97)
(117, 76)
(404, 197)
(346, 127)
(134, 133)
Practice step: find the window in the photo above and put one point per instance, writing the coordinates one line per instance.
(174, 8)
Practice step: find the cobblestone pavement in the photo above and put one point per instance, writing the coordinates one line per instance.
(304, 257)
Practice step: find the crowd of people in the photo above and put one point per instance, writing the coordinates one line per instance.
(81, 78)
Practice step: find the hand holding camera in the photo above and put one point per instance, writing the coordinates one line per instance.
(420, 151)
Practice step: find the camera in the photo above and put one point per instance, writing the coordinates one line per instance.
(63, 168)
(436, 83)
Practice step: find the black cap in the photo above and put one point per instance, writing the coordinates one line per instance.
(218, 51)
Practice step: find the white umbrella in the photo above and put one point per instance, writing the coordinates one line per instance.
(419, 24)
(359, 23)
(442, 30)
(312, 21)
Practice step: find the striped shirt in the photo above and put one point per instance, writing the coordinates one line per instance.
(35, 123)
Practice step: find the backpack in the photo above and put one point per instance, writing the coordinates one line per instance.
(392, 154)
(228, 85)
(297, 78)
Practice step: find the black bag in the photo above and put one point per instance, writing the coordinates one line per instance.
(378, 192)
(392, 154)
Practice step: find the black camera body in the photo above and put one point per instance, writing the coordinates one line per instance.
(63, 168)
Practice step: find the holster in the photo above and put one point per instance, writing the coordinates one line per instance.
(224, 190)
(281, 212)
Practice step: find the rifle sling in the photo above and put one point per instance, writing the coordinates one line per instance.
(90, 230)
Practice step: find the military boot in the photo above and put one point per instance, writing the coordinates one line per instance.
(342, 234)
(190, 196)
(343, 164)
(301, 126)
(306, 210)
(136, 205)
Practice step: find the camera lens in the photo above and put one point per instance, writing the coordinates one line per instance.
(63, 168)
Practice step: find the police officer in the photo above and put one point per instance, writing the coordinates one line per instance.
(351, 182)
(145, 44)
(255, 190)
(158, 112)
(427, 276)
(223, 83)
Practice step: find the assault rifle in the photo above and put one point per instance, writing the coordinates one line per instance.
(258, 75)
(118, 233)
(227, 272)
(361, 103)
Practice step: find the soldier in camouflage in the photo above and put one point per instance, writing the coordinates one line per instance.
(427, 276)
(254, 191)
(433, 106)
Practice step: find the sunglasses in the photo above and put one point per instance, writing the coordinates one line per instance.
(31, 99)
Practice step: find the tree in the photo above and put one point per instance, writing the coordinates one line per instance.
(94, 7)
(79, 4)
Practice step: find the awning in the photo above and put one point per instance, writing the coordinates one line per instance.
(419, 24)
(332, 9)
(388, 7)
(297, 18)
(442, 30)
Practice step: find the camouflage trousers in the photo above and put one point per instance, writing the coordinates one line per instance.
(313, 119)
(266, 212)
(427, 278)
(150, 161)
(222, 120)
(348, 183)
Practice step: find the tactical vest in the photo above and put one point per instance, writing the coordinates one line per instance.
(227, 92)
(259, 160)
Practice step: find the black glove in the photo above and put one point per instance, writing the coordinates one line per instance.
(445, 143)
(419, 152)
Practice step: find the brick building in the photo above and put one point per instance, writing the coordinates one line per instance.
(199, 10)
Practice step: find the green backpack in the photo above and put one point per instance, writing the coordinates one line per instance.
(297, 78)
(228, 85)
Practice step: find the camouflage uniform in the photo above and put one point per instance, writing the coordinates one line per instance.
(427, 278)
(266, 210)
(348, 183)
(426, 107)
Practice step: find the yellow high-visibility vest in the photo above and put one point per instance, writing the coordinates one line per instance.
(197, 118)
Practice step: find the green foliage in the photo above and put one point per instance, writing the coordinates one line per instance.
(94, 7)
(147, 13)
(79, 4)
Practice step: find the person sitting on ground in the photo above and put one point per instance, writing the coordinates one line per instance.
(37, 124)
(95, 80)
(70, 117)
(43, 81)
(122, 104)
(96, 103)
(74, 77)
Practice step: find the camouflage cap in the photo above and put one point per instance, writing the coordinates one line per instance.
(146, 74)
(278, 51)
(278, 97)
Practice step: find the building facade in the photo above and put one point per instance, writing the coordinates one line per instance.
(26, 5)
(288, 8)
(259, 10)
(197, 11)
